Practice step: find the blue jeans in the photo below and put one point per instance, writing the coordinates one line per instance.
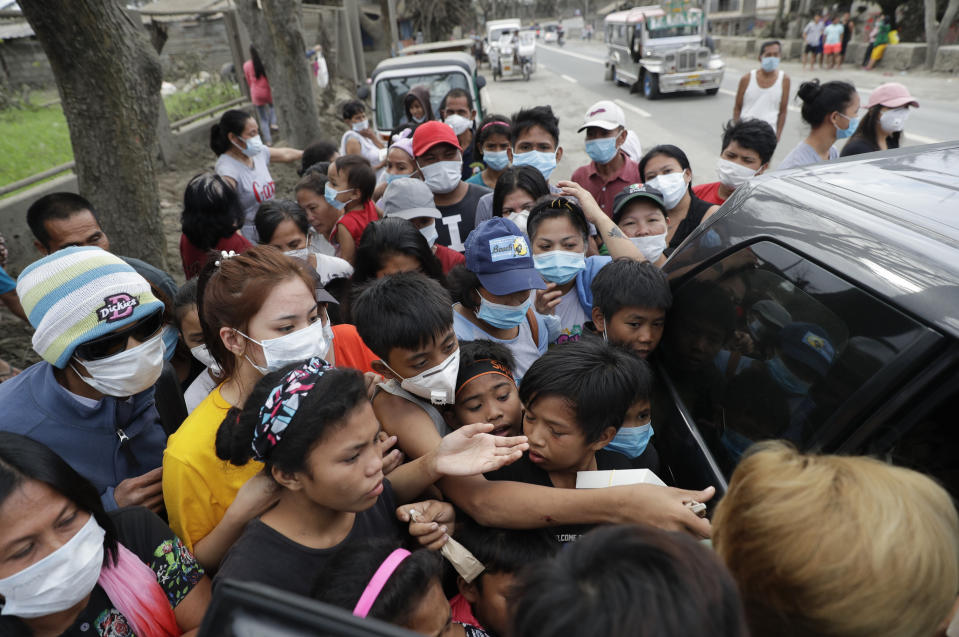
(267, 117)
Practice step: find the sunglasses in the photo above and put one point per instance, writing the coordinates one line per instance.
(116, 342)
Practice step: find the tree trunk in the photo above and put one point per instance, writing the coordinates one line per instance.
(277, 34)
(108, 76)
(936, 35)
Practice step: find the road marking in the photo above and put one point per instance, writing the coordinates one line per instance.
(588, 58)
(920, 138)
(630, 107)
(569, 78)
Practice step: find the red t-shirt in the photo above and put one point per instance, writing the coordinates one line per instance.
(194, 259)
(349, 350)
(355, 221)
(709, 192)
(448, 258)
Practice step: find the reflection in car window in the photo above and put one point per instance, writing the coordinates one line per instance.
(766, 344)
(390, 94)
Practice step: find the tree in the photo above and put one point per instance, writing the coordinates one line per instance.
(437, 19)
(277, 34)
(108, 76)
(936, 35)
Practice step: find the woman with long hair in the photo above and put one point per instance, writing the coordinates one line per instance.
(260, 94)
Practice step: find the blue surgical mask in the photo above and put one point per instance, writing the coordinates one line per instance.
(843, 133)
(601, 150)
(254, 146)
(330, 195)
(391, 178)
(785, 378)
(545, 163)
(631, 441)
(497, 160)
(430, 233)
(559, 266)
(769, 64)
(170, 338)
(503, 316)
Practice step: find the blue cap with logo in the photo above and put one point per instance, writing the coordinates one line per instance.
(498, 253)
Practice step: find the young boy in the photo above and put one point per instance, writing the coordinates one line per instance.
(486, 389)
(504, 553)
(748, 146)
(630, 300)
(350, 189)
(576, 397)
(413, 200)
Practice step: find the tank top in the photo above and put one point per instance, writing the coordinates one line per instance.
(393, 387)
(368, 150)
(694, 216)
(763, 103)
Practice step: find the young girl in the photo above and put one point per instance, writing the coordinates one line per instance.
(314, 429)
(517, 189)
(211, 220)
(350, 189)
(832, 110)
(882, 125)
(258, 310)
(559, 233)
(399, 162)
(417, 106)
(492, 147)
(360, 139)
(639, 211)
(394, 245)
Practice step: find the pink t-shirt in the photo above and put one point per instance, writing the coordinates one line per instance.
(259, 86)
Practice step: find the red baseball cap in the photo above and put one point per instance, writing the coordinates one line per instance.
(431, 133)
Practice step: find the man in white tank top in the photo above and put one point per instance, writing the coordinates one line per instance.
(764, 92)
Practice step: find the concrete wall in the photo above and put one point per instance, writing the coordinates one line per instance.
(195, 45)
(947, 59)
(899, 57)
(22, 61)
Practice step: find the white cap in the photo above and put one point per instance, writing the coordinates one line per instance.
(604, 114)
(458, 123)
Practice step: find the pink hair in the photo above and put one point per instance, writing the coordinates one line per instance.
(133, 587)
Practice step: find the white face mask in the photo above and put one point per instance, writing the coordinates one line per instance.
(437, 384)
(894, 120)
(60, 580)
(291, 348)
(254, 146)
(328, 335)
(443, 176)
(733, 175)
(430, 233)
(673, 186)
(127, 373)
(361, 126)
(202, 354)
(651, 247)
(519, 218)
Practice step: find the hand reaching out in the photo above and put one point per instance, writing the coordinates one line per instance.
(472, 450)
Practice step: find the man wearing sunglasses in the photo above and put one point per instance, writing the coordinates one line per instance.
(91, 400)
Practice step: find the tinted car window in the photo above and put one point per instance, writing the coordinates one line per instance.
(766, 344)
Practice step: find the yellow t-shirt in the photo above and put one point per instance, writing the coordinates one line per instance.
(198, 487)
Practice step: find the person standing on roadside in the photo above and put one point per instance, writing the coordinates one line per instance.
(832, 112)
(849, 30)
(260, 95)
(764, 92)
(812, 34)
(832, 42)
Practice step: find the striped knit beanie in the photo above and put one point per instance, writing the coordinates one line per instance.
(78, 294)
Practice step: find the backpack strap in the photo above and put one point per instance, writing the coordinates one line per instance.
(533, 326)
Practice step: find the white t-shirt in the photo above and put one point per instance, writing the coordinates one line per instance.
(253, 186)
(368, 150)
(571, 317)
(524, 350)
(198, 390)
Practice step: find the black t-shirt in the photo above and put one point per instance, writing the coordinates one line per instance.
(523, 470)
(694, 216)
(264, 555)
(147, 537)
(858, 146)
(461, 216)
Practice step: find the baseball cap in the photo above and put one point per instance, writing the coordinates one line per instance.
(635, 191)
(604, 114)
(809, 344)
(431, 133)
(891, 94)
(498, 254)
(409, 199)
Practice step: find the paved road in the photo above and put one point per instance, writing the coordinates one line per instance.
(571, 78)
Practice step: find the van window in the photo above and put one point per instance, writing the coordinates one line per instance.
(390, 94)
(766, 344)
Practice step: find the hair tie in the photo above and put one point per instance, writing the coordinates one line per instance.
(496, 123)
(378, 581)
(281, 405)
(224, 255)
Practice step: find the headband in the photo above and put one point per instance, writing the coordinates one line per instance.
(496, 123)
(479, 368)
(378, 581)
(282, 403)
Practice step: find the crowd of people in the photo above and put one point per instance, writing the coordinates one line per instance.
(425, 341)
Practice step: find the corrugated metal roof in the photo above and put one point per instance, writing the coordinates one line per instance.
(14, 30)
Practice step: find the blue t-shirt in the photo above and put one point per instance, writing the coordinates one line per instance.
(6, 282)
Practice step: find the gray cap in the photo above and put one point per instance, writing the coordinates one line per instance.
(408, 199)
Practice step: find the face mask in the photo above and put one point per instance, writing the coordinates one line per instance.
(756, 328)
(731, 174)
(631, 441)
(785, 378)
(328, 335)
(202, 354)
(361, 126)
(330, 195)
(170, 338)
(545, 163)
(519, 218)
(302, 253)
(291, 348)
(497, 160)
(503, 316)
(843, 133)
(893, 121)
(673, 186)
(436, 384)
(58, 581)
(559, 266)
(651, 246)
(430, 233)
(420, 119)
(253, 146)
(443, 176)
(769, 64)
(601, 150)
(391, 178)
(127, 373)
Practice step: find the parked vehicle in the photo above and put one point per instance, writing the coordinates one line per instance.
(514, 56)
(658, 53)
(551, 32)
(496, 29)
(393, 78)
(832, 319)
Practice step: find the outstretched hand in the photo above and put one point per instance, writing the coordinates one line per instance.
(472, 450)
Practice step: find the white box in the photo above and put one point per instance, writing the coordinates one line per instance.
(616, 478)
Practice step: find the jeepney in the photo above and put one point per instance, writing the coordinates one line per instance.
(660, 51)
